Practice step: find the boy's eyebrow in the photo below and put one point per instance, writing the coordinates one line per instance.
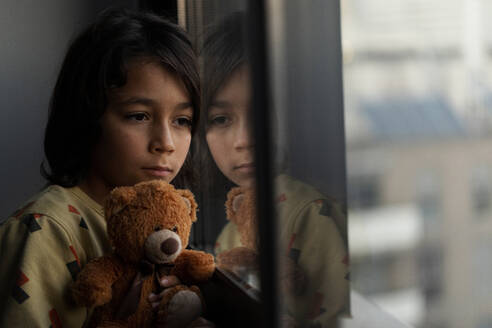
(221, 104)
(183, 105)
(137, 100)
(151, 102)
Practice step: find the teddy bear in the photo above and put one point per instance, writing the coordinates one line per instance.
(148, 227)
(241, 210)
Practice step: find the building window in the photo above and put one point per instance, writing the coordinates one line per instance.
(364, 191)
(481, 191)
(431, 273)
(428, 198)
(482, 268)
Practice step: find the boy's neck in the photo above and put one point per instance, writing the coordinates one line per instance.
(95, 190)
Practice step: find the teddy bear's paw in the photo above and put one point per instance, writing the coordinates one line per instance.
(239, 258)
(91, 296)
(183, 308)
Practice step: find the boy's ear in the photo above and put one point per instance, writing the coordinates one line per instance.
(189, 199)
(117, 200)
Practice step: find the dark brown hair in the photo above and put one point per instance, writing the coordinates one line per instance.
(222, 54)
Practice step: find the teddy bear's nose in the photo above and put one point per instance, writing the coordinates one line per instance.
(169, 246)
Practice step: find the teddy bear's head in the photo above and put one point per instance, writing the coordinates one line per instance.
(149, 221)
(241, 209)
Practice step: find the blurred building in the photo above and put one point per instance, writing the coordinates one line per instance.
(418, 112)
(421, 230)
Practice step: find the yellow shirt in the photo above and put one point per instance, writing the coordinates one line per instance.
(42, 248)
(310, 226)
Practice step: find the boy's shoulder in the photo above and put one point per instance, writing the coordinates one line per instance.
(295, 198)
(295, 193)
(56, 203)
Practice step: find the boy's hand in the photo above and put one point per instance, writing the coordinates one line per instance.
(166, 282)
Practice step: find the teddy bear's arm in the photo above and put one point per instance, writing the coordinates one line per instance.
(194, 266)
(93, 286)
(238, 257)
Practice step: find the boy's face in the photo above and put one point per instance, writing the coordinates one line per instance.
(145, 130)
(229, 130)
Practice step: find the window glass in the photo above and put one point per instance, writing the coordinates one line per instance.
(295, 104)
(309, 174)
(224, 149)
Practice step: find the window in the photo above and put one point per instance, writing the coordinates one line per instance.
(364, 191)
(481, 191)
(481, 268)
(428, 195)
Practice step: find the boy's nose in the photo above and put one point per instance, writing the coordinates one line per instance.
(243, 138)
(162, 140)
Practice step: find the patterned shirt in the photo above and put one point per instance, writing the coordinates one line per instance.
(311, 229)
(43, 247)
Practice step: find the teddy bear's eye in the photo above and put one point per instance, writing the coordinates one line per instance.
(157, 228)
(175, 229)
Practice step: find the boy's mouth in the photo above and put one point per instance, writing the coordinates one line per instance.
(158, 171)
(245, 167)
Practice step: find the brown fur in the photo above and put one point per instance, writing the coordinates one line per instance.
(244, 216)
(132, 214)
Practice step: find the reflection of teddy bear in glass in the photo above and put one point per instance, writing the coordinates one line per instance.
(243, 260)
(148, 225)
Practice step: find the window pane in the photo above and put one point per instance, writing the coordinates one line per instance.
(225, 143)
(310, 186)
(305, 114)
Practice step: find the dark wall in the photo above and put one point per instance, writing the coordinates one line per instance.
(34, 36)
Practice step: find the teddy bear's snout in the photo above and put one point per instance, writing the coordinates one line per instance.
(162, 246)
(169, 246)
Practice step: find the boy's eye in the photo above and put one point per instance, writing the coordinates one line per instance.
(219, 120)
(137, 116)
(183, 121)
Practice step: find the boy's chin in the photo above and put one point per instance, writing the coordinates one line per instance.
(246, 182)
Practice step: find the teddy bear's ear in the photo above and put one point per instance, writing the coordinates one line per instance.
(189, 199)
(235, 198)
(117, 200)
(236, 202)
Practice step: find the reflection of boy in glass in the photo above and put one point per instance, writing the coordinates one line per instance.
(308, 230)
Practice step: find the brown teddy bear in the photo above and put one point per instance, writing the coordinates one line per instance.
(148, 226)
(241, 210)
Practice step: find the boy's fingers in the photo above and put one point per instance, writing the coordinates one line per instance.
(153, 297)
(156, 298)
(169, 281)
(163, 293)
(138, 279)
